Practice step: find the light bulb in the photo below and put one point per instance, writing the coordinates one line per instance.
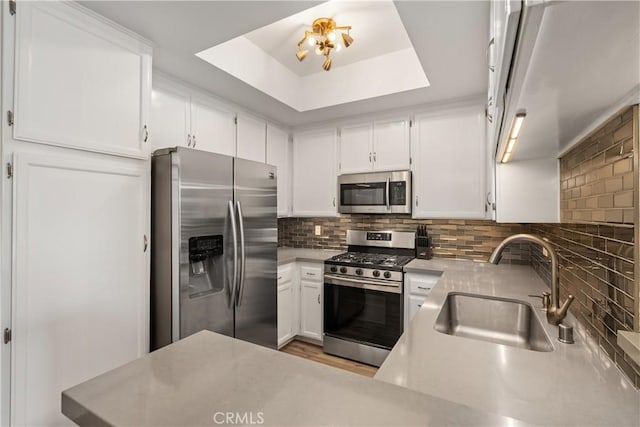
(331, 36)
(318, 51)
(312, 41)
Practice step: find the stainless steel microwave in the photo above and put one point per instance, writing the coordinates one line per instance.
(375, 192)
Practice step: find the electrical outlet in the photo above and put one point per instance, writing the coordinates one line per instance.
(318, 230)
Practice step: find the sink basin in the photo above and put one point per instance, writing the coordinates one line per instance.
(496, 320)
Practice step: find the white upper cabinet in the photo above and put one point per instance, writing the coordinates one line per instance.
(356, 148)
(212, 128)
(251, 138)
(80, 82)
(314, 173)
(449, 167)
(279, 155)
(391, 149)
(378, 146)
(170, 118)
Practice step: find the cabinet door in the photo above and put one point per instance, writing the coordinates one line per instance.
(415, 302)
(449, 167)
(79, 82)
(212, 128)
(251, 138)
(356, 149)
(310, 310)
(170, 121)
(314, 173)
(279, 155)
(81, 281)
(285, 312)
(391, 149)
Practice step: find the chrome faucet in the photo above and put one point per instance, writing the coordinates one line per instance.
(555, 313)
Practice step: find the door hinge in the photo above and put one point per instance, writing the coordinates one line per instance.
(12, 7)
(10, 118)
(7, 335)
(9, 170)
(146, 243)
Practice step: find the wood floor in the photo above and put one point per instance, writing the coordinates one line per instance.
(314, 352)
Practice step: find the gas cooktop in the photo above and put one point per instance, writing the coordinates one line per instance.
(376, 260)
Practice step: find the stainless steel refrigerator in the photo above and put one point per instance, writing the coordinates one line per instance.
(213, 247)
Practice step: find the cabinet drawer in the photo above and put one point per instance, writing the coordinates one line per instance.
(420, 284)
(285, 273)
(313, 274)
(420, 287)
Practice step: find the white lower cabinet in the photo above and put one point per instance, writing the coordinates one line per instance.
(285, 304)
(300, 301)
(416, 289)
(81, 280)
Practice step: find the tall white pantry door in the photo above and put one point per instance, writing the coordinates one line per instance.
(80, 276)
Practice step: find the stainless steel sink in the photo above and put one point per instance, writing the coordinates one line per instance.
(492, 319)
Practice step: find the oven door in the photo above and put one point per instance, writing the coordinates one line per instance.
(364, 311)
(378, 192)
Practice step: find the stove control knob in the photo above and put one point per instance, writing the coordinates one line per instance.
(387, 275)
(359, 272)
(343, 270)
(376, 273)
(334, 269)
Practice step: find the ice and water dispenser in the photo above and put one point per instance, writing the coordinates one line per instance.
(206, 274)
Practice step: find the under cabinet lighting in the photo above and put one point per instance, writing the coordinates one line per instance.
(517, 125)
(514, 133)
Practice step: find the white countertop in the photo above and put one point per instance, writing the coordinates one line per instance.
(287, 255)
(575, 384)
(193, 381)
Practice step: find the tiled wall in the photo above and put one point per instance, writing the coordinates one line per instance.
(462, 239)
(596, 178)
(597, 258)
(597, 267)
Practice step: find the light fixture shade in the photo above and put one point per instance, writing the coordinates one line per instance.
(301, 54)
(347, 39)
(327, 64)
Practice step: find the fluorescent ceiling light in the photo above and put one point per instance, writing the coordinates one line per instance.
(511, 144)
(514, 133)
(506, 157)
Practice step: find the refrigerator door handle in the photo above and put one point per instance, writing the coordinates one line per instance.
(242, 255)
(234, 234)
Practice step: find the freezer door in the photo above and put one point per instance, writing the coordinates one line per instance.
(256, 297)
(206, 243)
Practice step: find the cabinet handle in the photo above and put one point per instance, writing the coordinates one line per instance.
(318, 298)
(334, 202)
(416, 201)
(310, 274)
(146, 133)
(369, 156)
(419, 305)
(374, 156)
(189, 140)
(423, 288)
(194, 141)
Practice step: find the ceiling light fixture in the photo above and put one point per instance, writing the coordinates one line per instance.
(324, 36)
(514, 133)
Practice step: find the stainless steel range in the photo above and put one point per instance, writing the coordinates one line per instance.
(363, 295)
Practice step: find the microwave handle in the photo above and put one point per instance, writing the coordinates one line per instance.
(387, 190)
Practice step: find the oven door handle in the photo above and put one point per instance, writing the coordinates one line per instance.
(330, 279)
